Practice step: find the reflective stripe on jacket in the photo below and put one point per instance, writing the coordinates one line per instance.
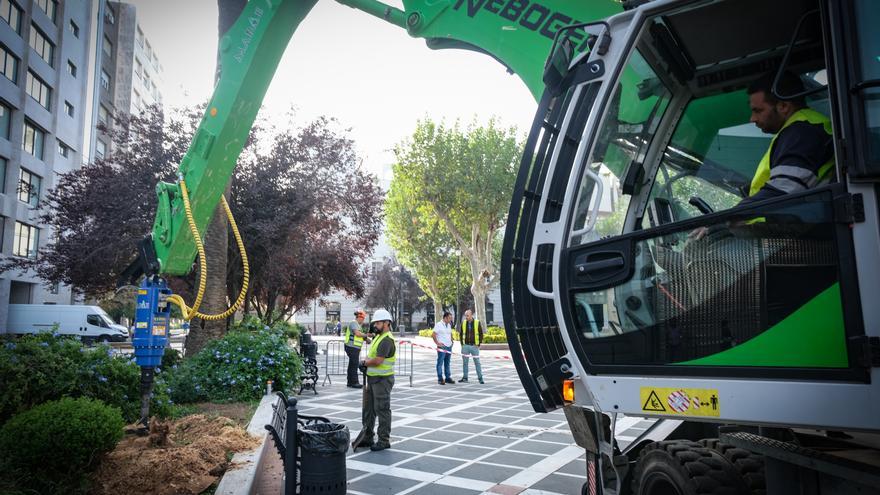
(783, 174)
(351, 339)
(387, 366)
(462, 332)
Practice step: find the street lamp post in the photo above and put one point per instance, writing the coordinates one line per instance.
(457, 286)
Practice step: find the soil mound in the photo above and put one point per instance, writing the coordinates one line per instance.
(184, 456)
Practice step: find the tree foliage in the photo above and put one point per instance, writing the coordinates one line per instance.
(467, 177)
(308, 214)
(394, 288)
(311, 216)
(422, 243)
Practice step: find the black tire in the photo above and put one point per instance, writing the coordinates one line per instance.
(683, 467)
(104, 339)
(749, 465)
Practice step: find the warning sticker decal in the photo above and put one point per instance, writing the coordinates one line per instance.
(680, 401)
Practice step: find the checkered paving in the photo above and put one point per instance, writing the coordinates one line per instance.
(464, 438)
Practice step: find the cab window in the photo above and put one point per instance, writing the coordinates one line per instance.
(96, 320)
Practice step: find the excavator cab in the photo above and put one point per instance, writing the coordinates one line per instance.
(635, 271)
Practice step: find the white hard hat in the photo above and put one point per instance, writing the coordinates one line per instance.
(380, 315)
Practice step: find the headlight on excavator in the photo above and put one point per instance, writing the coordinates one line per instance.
(568, 391)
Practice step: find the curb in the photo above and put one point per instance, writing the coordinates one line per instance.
(240, 477)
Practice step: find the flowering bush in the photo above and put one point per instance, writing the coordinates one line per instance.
(236, 367)
(38, 368)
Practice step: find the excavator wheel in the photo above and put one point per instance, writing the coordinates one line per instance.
(683, 467)
(749, 464)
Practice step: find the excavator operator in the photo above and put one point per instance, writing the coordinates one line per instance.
(801, 153)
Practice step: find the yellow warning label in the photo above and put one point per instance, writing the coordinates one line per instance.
(680, 401)
(142, 292)
(158, 329)
(142, 324)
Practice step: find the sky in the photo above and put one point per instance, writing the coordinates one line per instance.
(371, 76)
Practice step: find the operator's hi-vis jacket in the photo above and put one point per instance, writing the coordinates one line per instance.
(792, 177)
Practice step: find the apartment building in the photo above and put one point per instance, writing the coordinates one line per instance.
(44, 53)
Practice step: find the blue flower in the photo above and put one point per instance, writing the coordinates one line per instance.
(102, 379)
(10, 345)
(44, 344)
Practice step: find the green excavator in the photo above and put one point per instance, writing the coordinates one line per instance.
(635, 284)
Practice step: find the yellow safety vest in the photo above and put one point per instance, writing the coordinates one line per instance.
(387, 366)
(463, 331)
(762, 174)
(351, 339)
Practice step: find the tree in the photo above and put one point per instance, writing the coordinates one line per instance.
(422, 243)
(101, 211)
(302, 239)
(309, 215)
(467, 177)
(394, 288)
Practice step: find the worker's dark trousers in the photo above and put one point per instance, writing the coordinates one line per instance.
(354, 354)
(378, 404)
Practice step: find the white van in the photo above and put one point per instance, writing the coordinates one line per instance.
(89, 323)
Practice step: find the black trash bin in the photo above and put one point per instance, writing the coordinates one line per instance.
(322, 458)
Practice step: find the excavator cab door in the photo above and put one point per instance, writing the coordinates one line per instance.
(662, 278)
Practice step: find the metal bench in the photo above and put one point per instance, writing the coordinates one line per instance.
(284, 413)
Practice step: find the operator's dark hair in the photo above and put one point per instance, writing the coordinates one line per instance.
(446, 313)
(789, 84)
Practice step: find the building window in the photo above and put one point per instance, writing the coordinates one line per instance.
(71, 68)
(105, 80)
(26, 240)
(107, 47)
(54, 288)
(11, 14)
(44, 48)
(29, 187)
(47, 6)
(8, 64)
(140, 37)
(138, 67)
(74, 29)
(100, 148)
(3, 163)
(38, 90)
(103, 115)
(63, 149)
(68, 108)
(5, 120)
(109, 15)
(32, 139)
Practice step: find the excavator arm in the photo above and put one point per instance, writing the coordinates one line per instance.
(517, 33)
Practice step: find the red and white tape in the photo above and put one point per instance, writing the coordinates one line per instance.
(475, 356)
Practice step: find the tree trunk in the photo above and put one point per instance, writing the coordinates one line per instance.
(217, 236)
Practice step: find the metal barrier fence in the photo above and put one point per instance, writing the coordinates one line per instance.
(336, 360)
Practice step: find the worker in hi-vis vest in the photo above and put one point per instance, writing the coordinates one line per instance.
(801, 153)
(471, 334)
(379, 364)
(354, 340)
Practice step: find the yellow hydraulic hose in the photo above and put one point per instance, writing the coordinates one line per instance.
(192, 312)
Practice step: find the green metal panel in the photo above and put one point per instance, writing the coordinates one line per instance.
(250, 52)
(811, 337)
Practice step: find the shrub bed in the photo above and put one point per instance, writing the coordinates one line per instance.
(236, 367)
(53, 447)
(38, 368)
(493, 335)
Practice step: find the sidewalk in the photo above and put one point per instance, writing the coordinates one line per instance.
(464, 438)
